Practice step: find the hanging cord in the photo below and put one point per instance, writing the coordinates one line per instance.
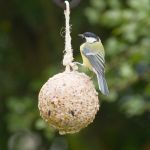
(68, 56)
(73, 3)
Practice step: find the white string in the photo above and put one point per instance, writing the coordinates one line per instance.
(68, 56)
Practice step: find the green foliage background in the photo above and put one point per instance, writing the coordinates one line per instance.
(31, 51)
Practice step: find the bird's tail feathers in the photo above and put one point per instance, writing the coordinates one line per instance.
(102, 84)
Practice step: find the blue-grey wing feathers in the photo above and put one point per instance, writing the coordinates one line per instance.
(97, 62)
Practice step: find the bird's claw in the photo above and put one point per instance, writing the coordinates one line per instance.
(77, 63)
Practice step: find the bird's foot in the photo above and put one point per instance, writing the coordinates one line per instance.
(77, 63)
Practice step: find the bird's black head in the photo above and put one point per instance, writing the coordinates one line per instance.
(89, 37)
(90, 34)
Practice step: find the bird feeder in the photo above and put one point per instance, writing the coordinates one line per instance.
(68, 101)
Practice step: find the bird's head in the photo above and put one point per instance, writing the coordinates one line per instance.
(89, 37)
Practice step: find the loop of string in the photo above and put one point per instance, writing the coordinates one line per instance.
(73, 3)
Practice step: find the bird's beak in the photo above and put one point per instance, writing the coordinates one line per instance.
(81, 35)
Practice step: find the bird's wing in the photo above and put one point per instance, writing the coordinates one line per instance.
(97, 61)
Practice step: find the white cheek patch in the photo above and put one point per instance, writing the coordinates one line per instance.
(90, 39)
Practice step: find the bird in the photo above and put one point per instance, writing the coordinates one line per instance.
(93, 56)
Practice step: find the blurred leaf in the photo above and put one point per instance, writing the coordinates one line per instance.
(133, 105)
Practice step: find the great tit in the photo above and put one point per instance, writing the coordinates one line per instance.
(93, 55)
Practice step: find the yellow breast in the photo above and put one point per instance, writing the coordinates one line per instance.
(85, 60)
